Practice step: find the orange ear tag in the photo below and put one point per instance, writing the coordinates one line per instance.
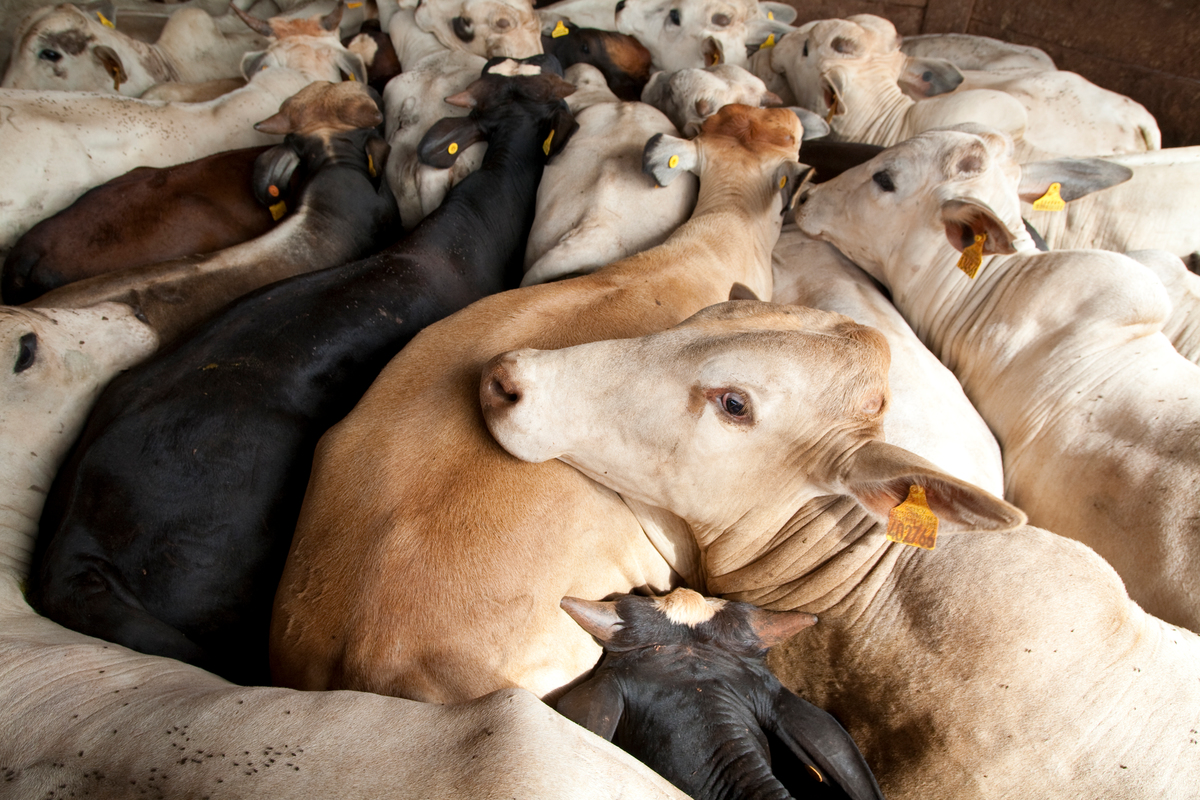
(353, 5)
(559, 31)
(546, 144)
(1051, 200)
(770, 42)
(371, 166)
(453, 148)
(972, 257)
(278, 210)
(783, 181)
(105, 21)
(273, 190)
(913, 522)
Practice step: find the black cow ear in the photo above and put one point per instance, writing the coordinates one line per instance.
(595, 704)
(822, 745)
(378, 151)
(442, 143)
(273, 173)
(562, 126)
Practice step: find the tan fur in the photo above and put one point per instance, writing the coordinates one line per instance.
(410, 569)
(685, 607)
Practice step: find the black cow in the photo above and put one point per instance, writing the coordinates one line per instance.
(622, 59)
(684, 686)
(167, 528)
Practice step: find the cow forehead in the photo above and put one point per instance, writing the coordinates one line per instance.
(755, 127)
(851, 39)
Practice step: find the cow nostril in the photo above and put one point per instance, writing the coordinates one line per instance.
(498, 390)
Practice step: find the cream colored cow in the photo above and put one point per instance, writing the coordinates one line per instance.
(93, 719)
(484, 27)
(998, 662)
(690, 96)
(429, 564)
(1062, 353)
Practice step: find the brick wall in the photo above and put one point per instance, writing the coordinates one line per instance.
(1146, 49)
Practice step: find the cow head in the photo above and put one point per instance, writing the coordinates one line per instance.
(681, 34)
(484, 27)
(309, 45)
(690, 96)
(65, 48)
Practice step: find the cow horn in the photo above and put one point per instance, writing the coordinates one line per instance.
(333, 19)
(259, 26)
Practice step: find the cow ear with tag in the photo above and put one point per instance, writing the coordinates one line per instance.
(273, 171)
(1075, 177)
(966, 220)
(814, 126)
(790, 178)
(442, 143)
(928, 77)
(351, 65)
(377, 150)
(666, 156)
(253, 63)
(882, 476)
(562, 127)
(761, 28)
(111, 62)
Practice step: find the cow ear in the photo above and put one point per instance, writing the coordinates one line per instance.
(791, 178)
(562, 127)
(597, 617)
(351, 65)
(761, 28)
(253, 63)
(273, 172)
(880, 476)
(712, 51)
(814, 126)
(928, 77)
(333, 19)
(966, 219)
(442, 143)
(775, 627)
(820, 742)
(595, 704)
(111, 62)
(1076, 177)
(740, 291)
(377, 150)
(779, 12)
(667, 156)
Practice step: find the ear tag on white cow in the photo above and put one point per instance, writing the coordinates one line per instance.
(1051, 200)
(770, 15)
(105, 21)
(972, 257)
(559, 31)
(673, 162)
(278, 210)
(913, 521)
(770, 42)
(832, 111)
(453, 148)
(371, 166)
(546, 144)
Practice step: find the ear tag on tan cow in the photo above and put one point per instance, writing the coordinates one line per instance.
(278, 210)
(559, 31)
(1051, 200)
(770, 42)
(972, 257)
(782, 181)
(105, 21)
(351, 77)
(546, 144)
(913, 521)
(371, 166)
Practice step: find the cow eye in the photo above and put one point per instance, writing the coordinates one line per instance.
(53, 56)
(673, 17)
(733, 404)
(587, 51)
(884, 180)
(721, 20)
(28, 353)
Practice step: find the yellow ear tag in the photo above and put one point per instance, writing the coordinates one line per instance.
(783, 181)
(913, 522)
(352, 78)
(353, 5)
(559, 31)
(273, 190)
(673, 162)
(832, 111)
(453, 148)
(972, 257)
(278, 210)
(546, 144)
(770, 42)
(105, 21)
(371, 166)
(1051, 200)
(770, 15)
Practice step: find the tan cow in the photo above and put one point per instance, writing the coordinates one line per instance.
(429, 564)
(1000, 664)
(89, 718)
(1062, 353)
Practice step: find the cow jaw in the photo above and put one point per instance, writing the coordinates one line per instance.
(697, 419)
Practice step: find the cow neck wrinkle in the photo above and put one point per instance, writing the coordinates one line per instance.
(672, 537)
(721, 217)
(24, 490)
(831, 556)
(878, 122)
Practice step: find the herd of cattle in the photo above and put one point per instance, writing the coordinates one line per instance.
(349, 339)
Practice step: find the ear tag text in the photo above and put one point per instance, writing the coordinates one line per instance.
(546, 144)
(453, 148)
(770, 42)
(1051, 200)
(972, 257)
(105, 21)
(278, 210)
(559, 31)
(913, 521)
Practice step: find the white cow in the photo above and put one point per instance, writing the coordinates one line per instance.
(54, 146)
(1158, 208)
(90, 718)
(484, 27)
(413, 101)
(594, 203)
(1062, 353)
(928, 412)
(967, 51)
(1003, 660)
(65, 48)
(690, 96)
(1183, 288)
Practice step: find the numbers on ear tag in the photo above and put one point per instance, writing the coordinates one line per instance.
(559, 31)
(278, 210)
(913, 521)
(546, 144)
(972, 256)
(1051, 200)
(105, 21)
